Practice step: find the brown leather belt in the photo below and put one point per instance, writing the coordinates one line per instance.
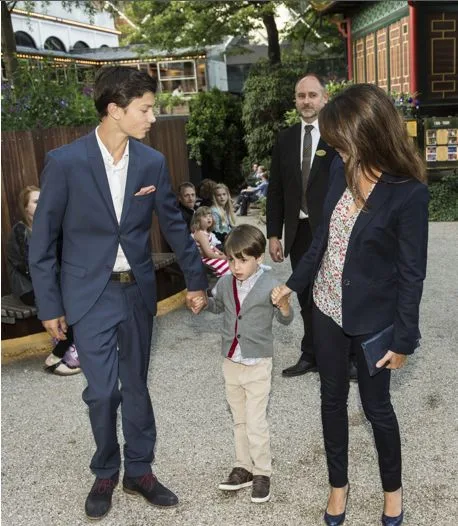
(126, 276)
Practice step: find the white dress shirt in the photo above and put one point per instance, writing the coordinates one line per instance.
(117, 177)
(315, 133)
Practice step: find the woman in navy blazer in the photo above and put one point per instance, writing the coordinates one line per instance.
(367, 264)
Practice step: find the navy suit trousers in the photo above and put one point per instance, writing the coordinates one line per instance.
(113, 340)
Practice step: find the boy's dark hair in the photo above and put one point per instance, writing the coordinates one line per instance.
(245, 240)
(120, 84)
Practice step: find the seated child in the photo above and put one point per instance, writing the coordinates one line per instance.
(201, 230)
(63, 360)
(223, 212)
(247, 346)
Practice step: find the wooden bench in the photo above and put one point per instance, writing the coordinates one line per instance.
(168, 276)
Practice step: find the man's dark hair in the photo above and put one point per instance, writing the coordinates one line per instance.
(120, 84)
(187, 184)
(245, 240)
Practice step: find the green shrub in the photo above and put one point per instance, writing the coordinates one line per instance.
(215, 135)
(268, 94)
(443, 205)
(43, 97)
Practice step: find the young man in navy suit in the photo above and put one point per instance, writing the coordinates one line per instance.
(101, 191)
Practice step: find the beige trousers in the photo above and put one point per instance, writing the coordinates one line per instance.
(247, 393)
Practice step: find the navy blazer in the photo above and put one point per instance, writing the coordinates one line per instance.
(385, 264)
(75, 198)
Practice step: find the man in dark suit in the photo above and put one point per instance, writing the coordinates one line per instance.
(101, 191)
(299, 181)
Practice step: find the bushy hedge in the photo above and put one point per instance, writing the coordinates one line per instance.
(443, 205)
(42, 97)
(268, 95)
(215, 135)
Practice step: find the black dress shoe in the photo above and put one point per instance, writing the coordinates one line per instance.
(151, 489)
(301, 367)
(353, 372)
(98, 502)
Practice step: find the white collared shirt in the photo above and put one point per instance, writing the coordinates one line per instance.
(315, 133)
(243, 288)
(117, 178)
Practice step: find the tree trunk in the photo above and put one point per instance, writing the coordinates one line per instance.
(8, 43)
(273, 50)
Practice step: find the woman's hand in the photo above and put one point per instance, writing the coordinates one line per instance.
(278, 293)
(392, 360)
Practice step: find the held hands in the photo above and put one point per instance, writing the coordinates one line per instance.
(196, 300)
(280, 296)
(56, 328)
(392, 360)
(276, 249)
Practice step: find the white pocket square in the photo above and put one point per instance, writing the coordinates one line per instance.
(146, 190)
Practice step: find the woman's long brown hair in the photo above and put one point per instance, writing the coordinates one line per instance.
(23, 202)
(363, 123)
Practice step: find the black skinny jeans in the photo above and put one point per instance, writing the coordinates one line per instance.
(332, 348)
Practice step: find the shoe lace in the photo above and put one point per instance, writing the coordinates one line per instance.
(148, 481)
(102, 486)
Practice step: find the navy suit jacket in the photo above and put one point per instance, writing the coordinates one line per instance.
(385, 264)
(75, 198)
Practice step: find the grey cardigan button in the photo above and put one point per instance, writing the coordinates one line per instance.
(239, 317)
(238, 336)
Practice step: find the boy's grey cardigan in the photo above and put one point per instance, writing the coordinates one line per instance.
(254, 328)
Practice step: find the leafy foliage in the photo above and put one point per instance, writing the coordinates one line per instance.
(215, 135)
(43, 99)
(443, 205)
(174, 24)
(268, 94)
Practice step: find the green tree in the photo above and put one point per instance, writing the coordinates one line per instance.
(173, 24)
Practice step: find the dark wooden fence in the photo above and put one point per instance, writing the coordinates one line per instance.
(23, 155)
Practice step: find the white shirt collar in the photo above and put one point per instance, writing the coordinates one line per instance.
(105, 153)
(248, 283)
(314, 124)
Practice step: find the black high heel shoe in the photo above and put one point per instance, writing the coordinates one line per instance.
(392, 521)
(336, 520)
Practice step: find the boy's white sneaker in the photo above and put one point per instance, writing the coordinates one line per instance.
(238, 478)
(261, 489)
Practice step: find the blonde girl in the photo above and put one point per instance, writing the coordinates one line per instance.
(223, 211)
(201, 230)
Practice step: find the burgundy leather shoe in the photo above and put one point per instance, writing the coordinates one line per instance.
(98, 502)
(151, 489)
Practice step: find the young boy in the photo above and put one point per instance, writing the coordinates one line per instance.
(247, 348)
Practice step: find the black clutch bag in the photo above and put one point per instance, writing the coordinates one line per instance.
(376, 347)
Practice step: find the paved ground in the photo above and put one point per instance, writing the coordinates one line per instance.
(46, 441)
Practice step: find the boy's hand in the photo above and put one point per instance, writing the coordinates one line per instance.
(278, 293)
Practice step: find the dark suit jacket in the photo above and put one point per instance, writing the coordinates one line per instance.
(385, 265)
(75, 197)
(285, 185)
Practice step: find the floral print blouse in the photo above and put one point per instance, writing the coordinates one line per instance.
(327, 289)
